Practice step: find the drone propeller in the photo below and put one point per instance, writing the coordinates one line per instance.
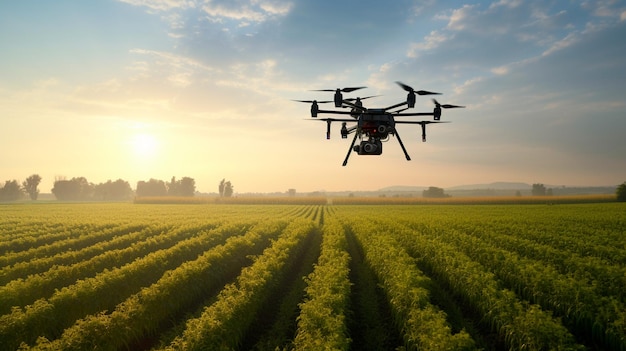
(418, 92)
(362, 98)
(437, 104)
(338, 96)
(410, 97)
(344, 90)
(313, 101)
(314, 107)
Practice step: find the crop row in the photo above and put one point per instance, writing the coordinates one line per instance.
(588, 309)
(322, 323)
(223, 324)
(156, 254)
(104, 290)
(143, 312)
(422, 325)
(519, 324)
(311, 277)
(511, 257)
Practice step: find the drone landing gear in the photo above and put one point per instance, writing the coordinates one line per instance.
(345, 162)
(406, 154)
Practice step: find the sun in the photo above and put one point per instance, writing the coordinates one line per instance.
(144, 145)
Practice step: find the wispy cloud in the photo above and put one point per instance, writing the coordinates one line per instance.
(161, 5)
(246, 11)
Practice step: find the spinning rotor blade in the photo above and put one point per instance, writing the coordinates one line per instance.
(363, 98)
(344, 90)
(333, 120)
(312, 101)
(418, 92)
(446, 105)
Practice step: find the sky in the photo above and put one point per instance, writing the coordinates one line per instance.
(140, 89)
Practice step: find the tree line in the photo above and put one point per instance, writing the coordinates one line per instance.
(80, 189)
(155, 187)
(13, 191)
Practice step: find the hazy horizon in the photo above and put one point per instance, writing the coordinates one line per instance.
(140, 89)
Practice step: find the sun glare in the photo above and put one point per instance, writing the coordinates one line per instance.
(144, 145)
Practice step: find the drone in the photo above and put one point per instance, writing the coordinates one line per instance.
(374, 125)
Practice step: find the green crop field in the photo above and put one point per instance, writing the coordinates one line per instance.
(209, 276)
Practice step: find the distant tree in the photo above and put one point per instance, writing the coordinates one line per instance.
(434, 192)
(549, 192)
(538, 190)
(291, 192)
(221, 187)
(518, 193)
(153, 187)
(31, 185)
(75, 189)
(173, 187)
(11, 191)
(66, 190)
(118, 190)
(225, 188)
(621, 192)
(228, 189)
(183, 187)
(187, 186)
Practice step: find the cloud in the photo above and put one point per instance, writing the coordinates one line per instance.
(246, 10)
(179, 69)
(476, 40)
(570, 39)
(161, 5)
(531, 74)
(431, 41)
(507, 3)
(458, 19)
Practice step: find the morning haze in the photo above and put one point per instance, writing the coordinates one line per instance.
(154, 89)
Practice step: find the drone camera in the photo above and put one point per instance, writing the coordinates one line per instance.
(369, 148)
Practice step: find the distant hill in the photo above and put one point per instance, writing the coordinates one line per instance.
(402, 188)
(494, 189)
(494, 185)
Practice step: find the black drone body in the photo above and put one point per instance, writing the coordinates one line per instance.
(374, 125)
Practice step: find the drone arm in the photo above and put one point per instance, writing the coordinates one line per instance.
(360, 108)
(413, 114)
(334, 112)
(394, 106)
(422, 123)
